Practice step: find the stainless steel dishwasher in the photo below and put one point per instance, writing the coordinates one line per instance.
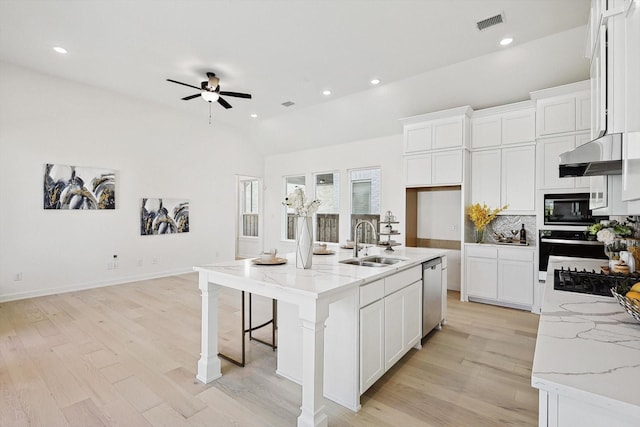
(431, 295)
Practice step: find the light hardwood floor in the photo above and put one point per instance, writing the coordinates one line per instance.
(126, 356)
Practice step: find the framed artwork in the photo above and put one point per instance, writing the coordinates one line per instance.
(77, 187)
(164, 216)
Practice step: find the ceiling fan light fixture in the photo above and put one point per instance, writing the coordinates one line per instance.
(209, 96)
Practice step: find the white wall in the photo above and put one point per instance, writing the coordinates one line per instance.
(385, 153)
(156, 151)
(439, 215)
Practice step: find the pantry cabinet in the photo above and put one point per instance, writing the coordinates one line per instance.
(500, 275)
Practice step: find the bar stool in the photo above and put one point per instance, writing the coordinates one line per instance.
(251, 328)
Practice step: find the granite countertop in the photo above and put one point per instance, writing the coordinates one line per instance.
(326, 274)
(587, 347)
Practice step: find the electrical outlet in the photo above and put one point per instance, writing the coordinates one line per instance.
(154, 261)
(140, 263)
(454, 227)
(17, 277)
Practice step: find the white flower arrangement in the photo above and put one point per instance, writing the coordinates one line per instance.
(299, 202)
(606, 235)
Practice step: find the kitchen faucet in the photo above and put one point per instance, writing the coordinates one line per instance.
(355, 235)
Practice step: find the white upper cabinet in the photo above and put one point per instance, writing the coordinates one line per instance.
(507, 124)
(417, 138)
(519, 126)
(563, 109)
(518, 178)
(446, 167)
(548, 160)
(485, 177)
(434, 131)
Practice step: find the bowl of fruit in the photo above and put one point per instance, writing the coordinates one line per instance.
(629, 298)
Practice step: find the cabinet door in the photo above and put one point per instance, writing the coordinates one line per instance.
(447, 167)
(519, 126)
(485, 177)
(519, 178)
(556, 115)
(418, 170)
(448, 133)
(393, 320)
(515, 276)
(482, 277)
(549, 161)
(371, 344)
(412, 315)
(583, 111)
(417, 138)
(486, 132)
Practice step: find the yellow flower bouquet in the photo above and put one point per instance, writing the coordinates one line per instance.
(481, 216)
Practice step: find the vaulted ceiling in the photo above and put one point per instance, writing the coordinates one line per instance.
(428, 55)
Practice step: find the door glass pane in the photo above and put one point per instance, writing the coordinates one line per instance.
(327, 217)
(291, 183)
(250, 205)
(365, 202)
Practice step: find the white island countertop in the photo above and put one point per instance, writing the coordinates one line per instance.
(327, 274)
(588, 347)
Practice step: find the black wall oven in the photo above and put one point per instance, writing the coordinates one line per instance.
(568, 209)
(566, 243)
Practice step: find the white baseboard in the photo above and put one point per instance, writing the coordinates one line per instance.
(91, 285)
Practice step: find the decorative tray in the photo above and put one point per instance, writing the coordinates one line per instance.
(325, 252)
(275, 261)
(631, 306)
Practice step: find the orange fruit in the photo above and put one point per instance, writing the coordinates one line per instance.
(635, 288)
(633, 295)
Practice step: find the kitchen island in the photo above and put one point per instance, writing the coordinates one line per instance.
(587, 358)
(315, 292)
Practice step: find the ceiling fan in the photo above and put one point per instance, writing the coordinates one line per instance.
(210, 91)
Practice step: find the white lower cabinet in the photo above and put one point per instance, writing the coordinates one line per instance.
(390, 325)
(372, 357)
(500, 275)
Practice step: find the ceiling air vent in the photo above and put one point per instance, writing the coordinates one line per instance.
(490, 22)
(288, 103)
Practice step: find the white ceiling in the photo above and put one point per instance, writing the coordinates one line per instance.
(292, 50)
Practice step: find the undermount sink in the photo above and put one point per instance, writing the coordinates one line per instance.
(372, 261)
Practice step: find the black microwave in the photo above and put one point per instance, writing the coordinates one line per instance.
(569, 209)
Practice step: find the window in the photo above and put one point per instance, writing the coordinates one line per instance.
(290, 184)
(250, 191)
(365, 202)
(327, 217)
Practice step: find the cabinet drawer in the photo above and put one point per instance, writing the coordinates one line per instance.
(514, 254)
(371, 292)
(402, 279)
(482, 251)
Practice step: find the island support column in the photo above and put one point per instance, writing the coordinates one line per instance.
(209, 363)
(313, 315)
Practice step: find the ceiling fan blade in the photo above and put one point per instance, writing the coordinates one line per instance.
(183, 84)
(236, 94)
(224, 103)
(186, 98)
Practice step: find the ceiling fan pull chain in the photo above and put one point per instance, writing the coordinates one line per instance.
(209, 113)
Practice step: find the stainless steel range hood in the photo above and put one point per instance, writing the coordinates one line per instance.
(602, 156)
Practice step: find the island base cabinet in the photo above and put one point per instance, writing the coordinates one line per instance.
(402, 322)
(559, 410)
(371, 344)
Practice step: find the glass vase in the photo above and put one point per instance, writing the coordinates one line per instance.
(479, 235)
(304, 242)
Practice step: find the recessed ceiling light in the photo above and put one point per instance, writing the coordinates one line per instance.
(254, 115)
(375, 81)
(60, 49)
(326, 92)
(506, 41)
